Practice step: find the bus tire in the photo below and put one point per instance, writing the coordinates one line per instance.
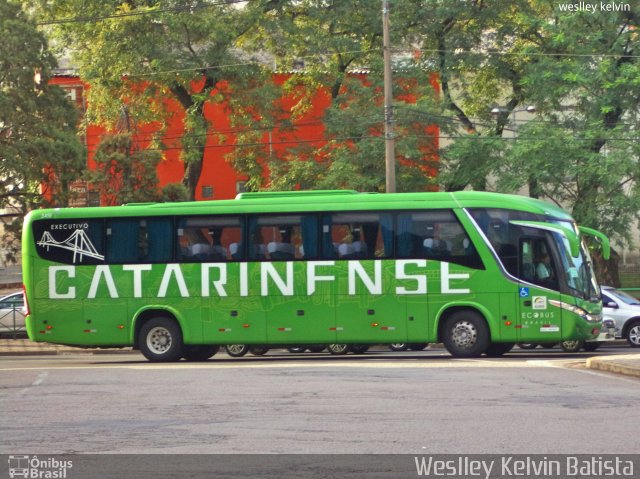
(465, 334)
(571, 346)
(297, 349)
(258, 350)
(591, 345)
(339, 349)
(359, 348)
(237, 350)
(317, 348)
(199, 352)
(498, 349)
(160, 340)
(418, 346)
(398, 347)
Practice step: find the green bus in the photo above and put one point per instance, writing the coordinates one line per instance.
(477, 271)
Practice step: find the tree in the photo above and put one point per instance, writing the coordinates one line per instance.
(582, 73)
(124, 172)
(587, 88)
(336, 49)
(139, 53)
(38, 141)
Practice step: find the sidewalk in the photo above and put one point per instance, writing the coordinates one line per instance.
(24, 347)
(627, 364)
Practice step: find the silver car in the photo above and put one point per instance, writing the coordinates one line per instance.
(12, 313)
(624, 309)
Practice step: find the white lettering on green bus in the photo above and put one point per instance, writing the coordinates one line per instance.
(269, 277)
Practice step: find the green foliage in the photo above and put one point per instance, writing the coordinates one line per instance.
(181, 49)
(125, 173)
(580, 70)
(175, 192)
(38, 141)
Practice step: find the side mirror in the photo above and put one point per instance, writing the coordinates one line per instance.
(611, 304)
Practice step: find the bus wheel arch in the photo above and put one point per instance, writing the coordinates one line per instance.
(159, 336)
(464, 331)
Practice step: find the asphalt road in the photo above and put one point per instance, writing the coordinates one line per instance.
(539, 402)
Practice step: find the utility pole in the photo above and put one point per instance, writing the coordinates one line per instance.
(389, 143)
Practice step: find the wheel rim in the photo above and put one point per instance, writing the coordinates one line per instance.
(464, 334)
(338, 348)
(634, 335)
(571, 345)
(397, 345)
(236, 348)
(159, 340)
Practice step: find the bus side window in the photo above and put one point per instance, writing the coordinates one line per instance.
(536, 265)
(357, 236)
(123, 240)
(134, 240)
(437, 235)
(211, 239)
(283, 237)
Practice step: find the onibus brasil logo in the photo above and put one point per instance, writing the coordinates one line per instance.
(78, 242)
(35, 468)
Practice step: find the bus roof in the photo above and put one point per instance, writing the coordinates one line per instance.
(314, 200)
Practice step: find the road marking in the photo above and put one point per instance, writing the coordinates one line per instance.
(422, 363)
(39, 380)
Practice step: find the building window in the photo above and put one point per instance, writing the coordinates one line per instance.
(207, 191)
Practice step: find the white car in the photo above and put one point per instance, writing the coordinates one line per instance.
(624, 309)
(12, 313)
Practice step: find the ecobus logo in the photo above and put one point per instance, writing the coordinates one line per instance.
(35, 468)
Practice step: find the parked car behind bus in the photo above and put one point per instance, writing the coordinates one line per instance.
(624, 309)
(12, 313)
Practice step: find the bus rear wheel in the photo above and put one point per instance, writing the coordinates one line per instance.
(200, 352)
(339, 349)
(359, 348)
(237, 350)
(258, 350)
(160, 340)
(418, 346)
(465, 334)
(398, 347)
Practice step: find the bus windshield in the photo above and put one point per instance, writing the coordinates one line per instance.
(506, 238)
(578, 270)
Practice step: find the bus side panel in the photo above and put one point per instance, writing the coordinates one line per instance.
(234, 320)
(368, 309)
(419, 324)
(57, 319)
(510, 320)
(299, 320)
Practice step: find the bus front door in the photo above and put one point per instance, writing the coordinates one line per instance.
(540, 319)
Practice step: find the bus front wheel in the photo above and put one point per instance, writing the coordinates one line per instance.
(465, 334)
(498, 349)
(160, 340)
(571, 346)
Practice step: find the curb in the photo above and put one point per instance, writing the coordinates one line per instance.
(628, 364)
(55, 352)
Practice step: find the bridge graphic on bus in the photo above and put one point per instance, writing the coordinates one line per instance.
(78, 242)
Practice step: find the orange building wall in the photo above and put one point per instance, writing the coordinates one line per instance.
(216, 171)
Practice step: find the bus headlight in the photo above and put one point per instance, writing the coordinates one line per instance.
(589, 317)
